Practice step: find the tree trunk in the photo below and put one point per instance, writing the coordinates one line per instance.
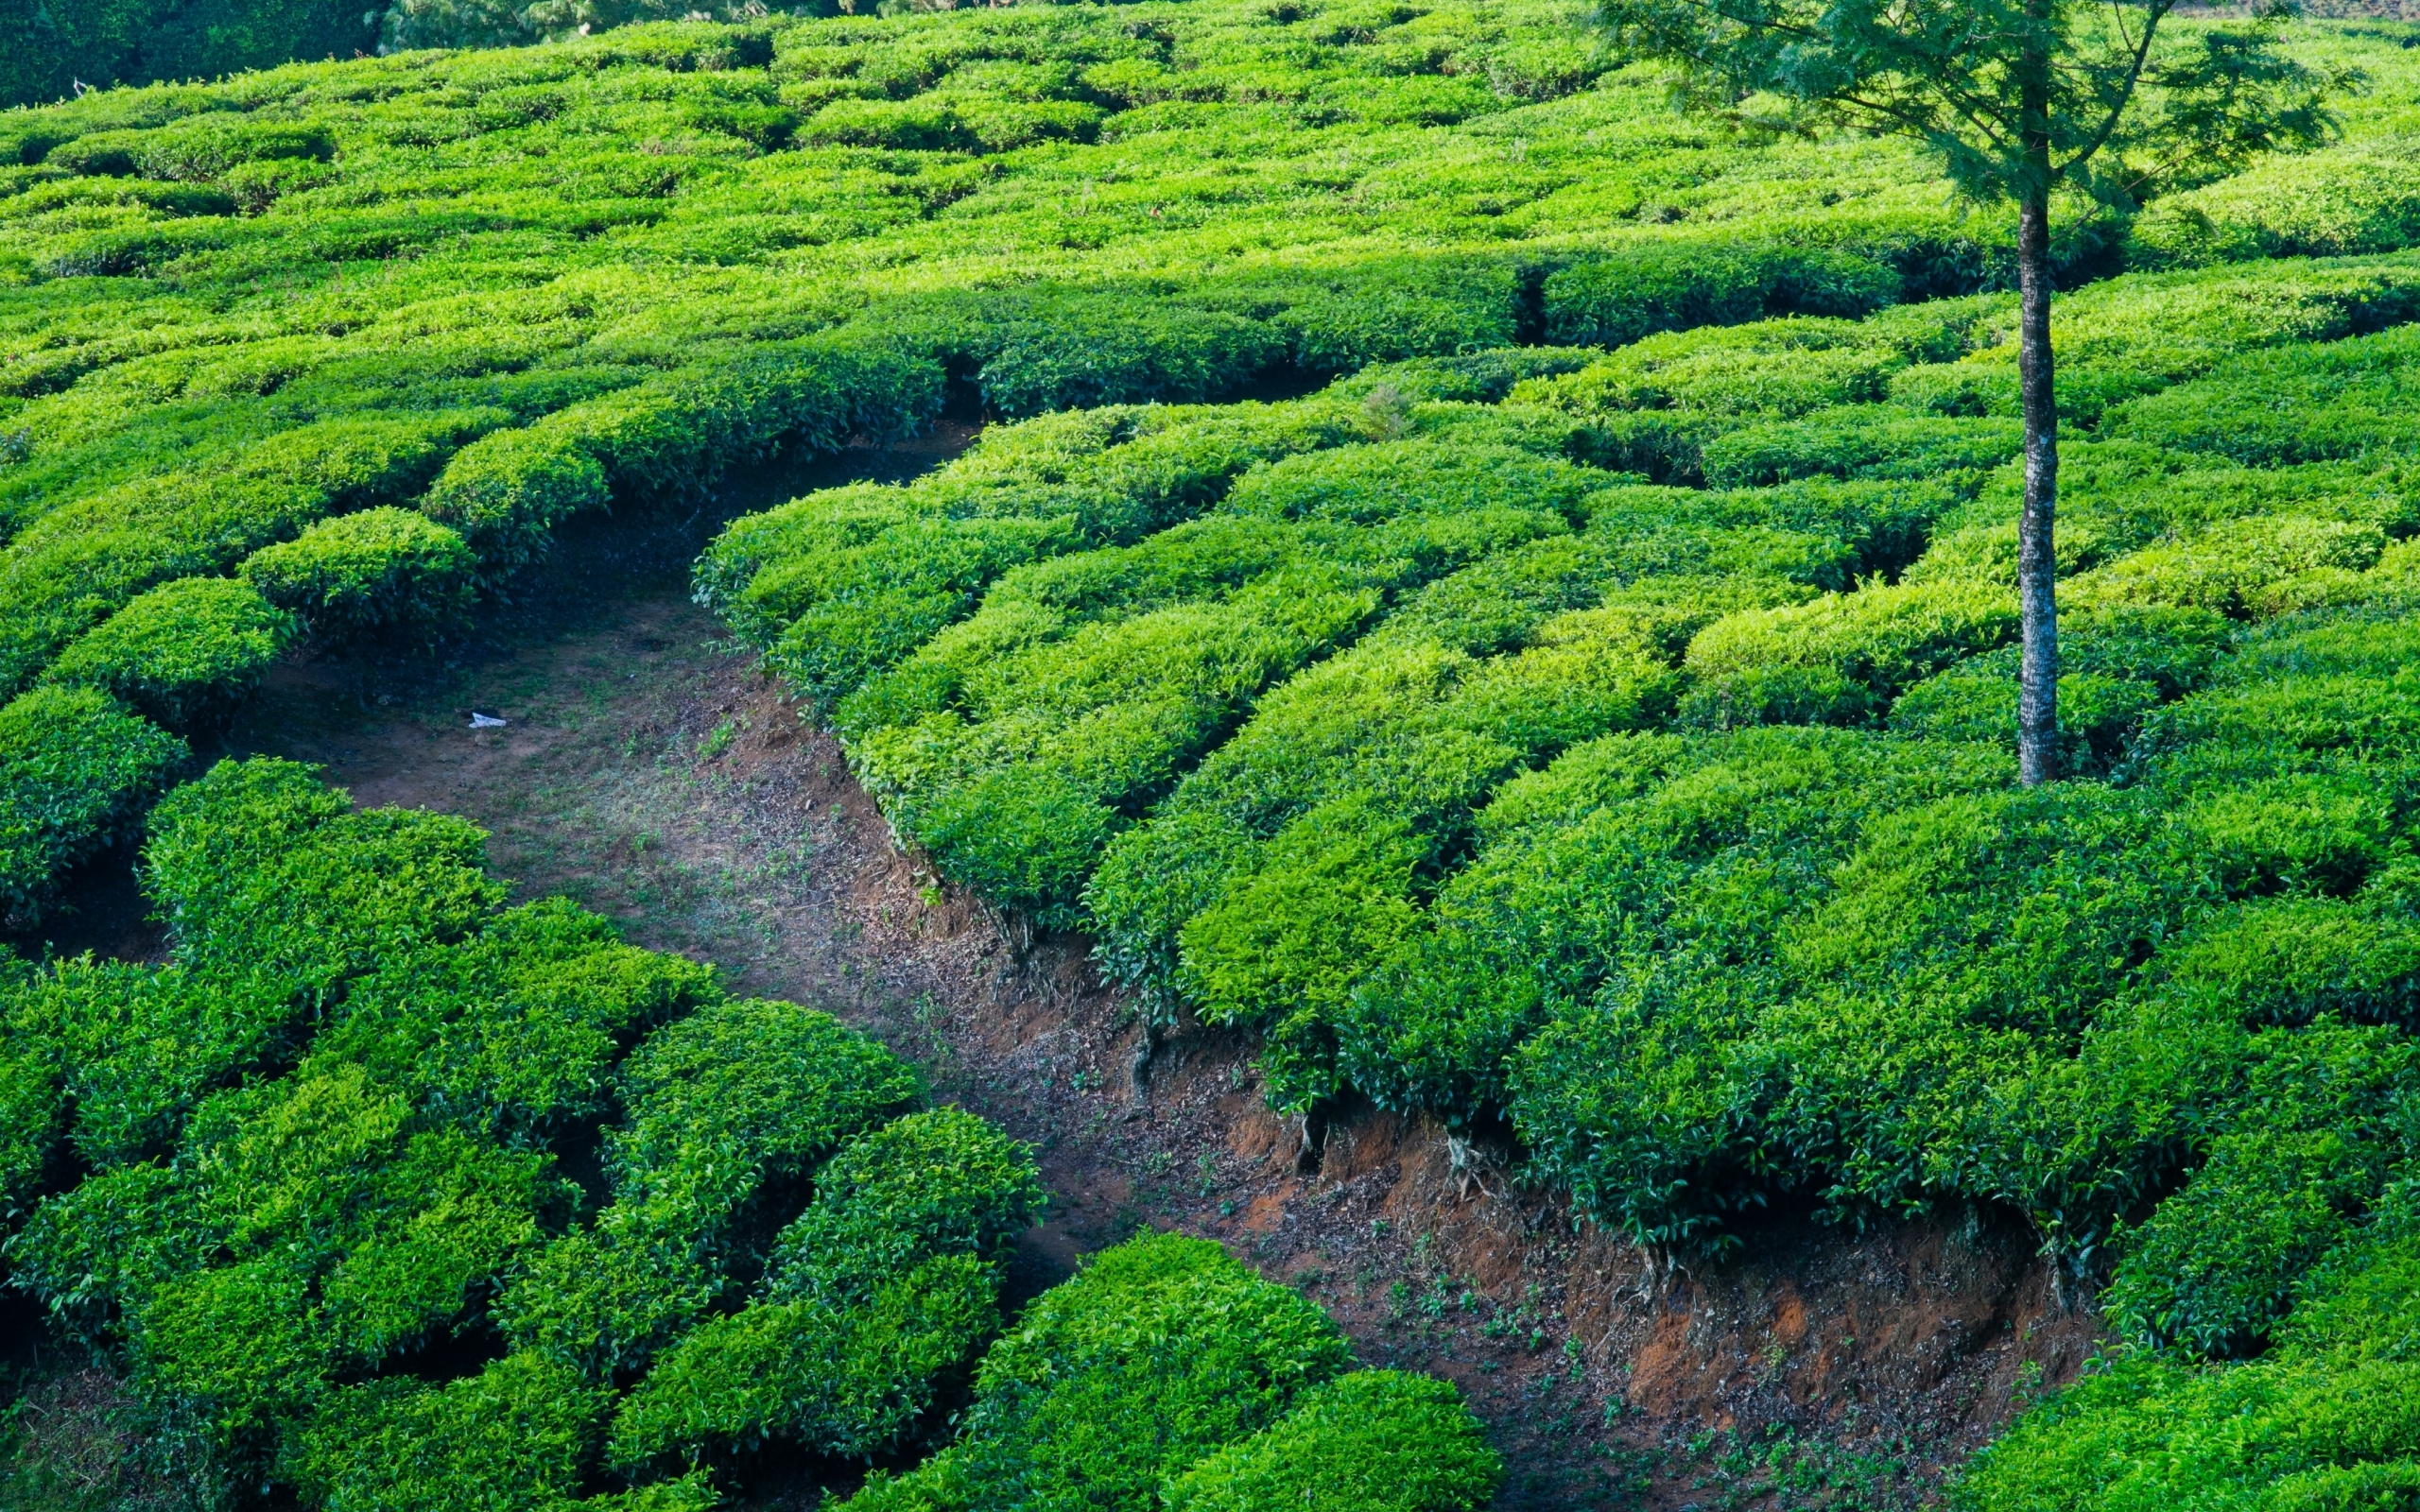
(2037, 699)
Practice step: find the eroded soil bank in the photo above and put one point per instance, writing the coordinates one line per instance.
(646, 770)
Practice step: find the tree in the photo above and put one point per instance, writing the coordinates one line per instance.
(2020, 99)
(50, 47)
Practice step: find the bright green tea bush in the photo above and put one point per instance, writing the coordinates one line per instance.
(2349, 198)
(919, 1187)
(70, 568)
(2324, 1420)
(1015, 744)
(1373, 1438)
(1654, 407)
(839, 585)
(1840, 658)
(184, 653)
(2299, 404)
(1854, 443)
(876, 1296)
(516, 1435)
(77, 771)
(854, 1381)
(1675, 288)
(1239, 893)
(2131, 336)
(258, 869)
(740, 1094)
(503, 492)
(2118, 666)
(380, 568)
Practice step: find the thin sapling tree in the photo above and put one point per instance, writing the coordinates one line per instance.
(2106, 100)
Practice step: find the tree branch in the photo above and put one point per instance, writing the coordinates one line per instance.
(2153, 13)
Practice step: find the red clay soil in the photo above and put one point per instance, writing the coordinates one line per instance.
(653, 774)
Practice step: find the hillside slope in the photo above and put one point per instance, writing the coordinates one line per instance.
(1491, 591)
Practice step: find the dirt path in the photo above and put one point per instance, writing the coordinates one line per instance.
(648, 771)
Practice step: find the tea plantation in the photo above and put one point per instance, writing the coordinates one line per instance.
(1497, 586)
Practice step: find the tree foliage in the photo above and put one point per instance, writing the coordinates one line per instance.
(2125, 104)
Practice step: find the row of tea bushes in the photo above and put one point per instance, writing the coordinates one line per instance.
(836, 586)
(1023, 794)
(322, 1182)
(1303, 846)
(76, 773)
(1767, 401)
(305, 524)
(1012, 744)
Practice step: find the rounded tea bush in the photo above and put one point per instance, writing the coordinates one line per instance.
(185, 653)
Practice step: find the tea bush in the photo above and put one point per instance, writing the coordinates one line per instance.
(1015, 743)
(1372, 1438)
(1675, 288)
(1839, 659)
(839, 585)
(257, 869)
(740, 1094)
(2301, 404)
(2324, 1417)
(514, 1434)
(919, 1187)
(2347, 201)
(380, 568)
(183, 653)
(77, 771)
(1225, 896)
(1853, 443)
(851, 1380)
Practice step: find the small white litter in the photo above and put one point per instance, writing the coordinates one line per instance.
(480, 721)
